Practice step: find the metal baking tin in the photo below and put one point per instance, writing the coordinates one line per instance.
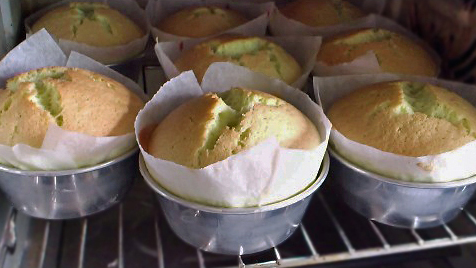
(70, 193)
(234, 231)
(400, 203)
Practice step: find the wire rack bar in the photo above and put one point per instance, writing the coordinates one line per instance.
(308, 240)
(450, 232)
(158, 239)
(82, 248)
(470, 216)
(241, 264)
(417, 237)
(380, 236)
(201, 260)
(6, 239)
(121, 238)
(336, 223)
(44, 245)
(277, 255)
(360, 254)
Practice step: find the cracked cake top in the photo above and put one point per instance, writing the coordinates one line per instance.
(212, 127)
(75, 99)
(405, 118)
(256, 53)
(94, 24)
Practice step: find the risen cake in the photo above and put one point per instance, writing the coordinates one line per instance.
(75, 99)
(93, 24)
(201, 21)
(405, 118)
(395, 53)
(255, 53)
(317, 13)
(213, 127)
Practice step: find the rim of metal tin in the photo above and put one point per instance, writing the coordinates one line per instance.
(57, 173)
(450, 184)
(323, 171)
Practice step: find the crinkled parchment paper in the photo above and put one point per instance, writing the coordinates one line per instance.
(453, 165)
(61, 149)
(303, 48)
(263, 174)
(106, 55)
(157, 10)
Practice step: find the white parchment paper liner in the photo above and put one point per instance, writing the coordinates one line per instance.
(457, 164)
(61, 149)
(303, 48)
(263, 174)
(258, 15)
(106, 55)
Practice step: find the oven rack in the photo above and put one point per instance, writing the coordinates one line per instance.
(135, 234)
(46, 241)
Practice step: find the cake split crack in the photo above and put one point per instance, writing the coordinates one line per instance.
(87, 11)
(44, 94)
(237, 49)
(416, 99)
(230, 115)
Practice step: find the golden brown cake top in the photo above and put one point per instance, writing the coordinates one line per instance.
(75, 99)
(94, 24)
(405, 118)
(317, 13)
(213, 127)
(255, 53)
(395, 52)
(201, 21)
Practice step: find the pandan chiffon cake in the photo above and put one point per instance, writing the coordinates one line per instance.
(255, 53)
(405, 118)
(395, 53)
(94, 24)
(75, 99)
(317, 13)
(201, 21)
(212, 127)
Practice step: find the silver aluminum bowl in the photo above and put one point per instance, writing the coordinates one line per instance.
(234, 231)
(400, 203)
(70, 193)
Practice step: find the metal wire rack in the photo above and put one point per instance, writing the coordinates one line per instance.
(135, 234)
(126, 237)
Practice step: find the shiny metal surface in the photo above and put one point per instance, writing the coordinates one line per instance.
(71, 193)
(235, 231)
(399, 203)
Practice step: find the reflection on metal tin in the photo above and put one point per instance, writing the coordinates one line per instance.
(400, 203)
(234, 231)
(70, 193)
